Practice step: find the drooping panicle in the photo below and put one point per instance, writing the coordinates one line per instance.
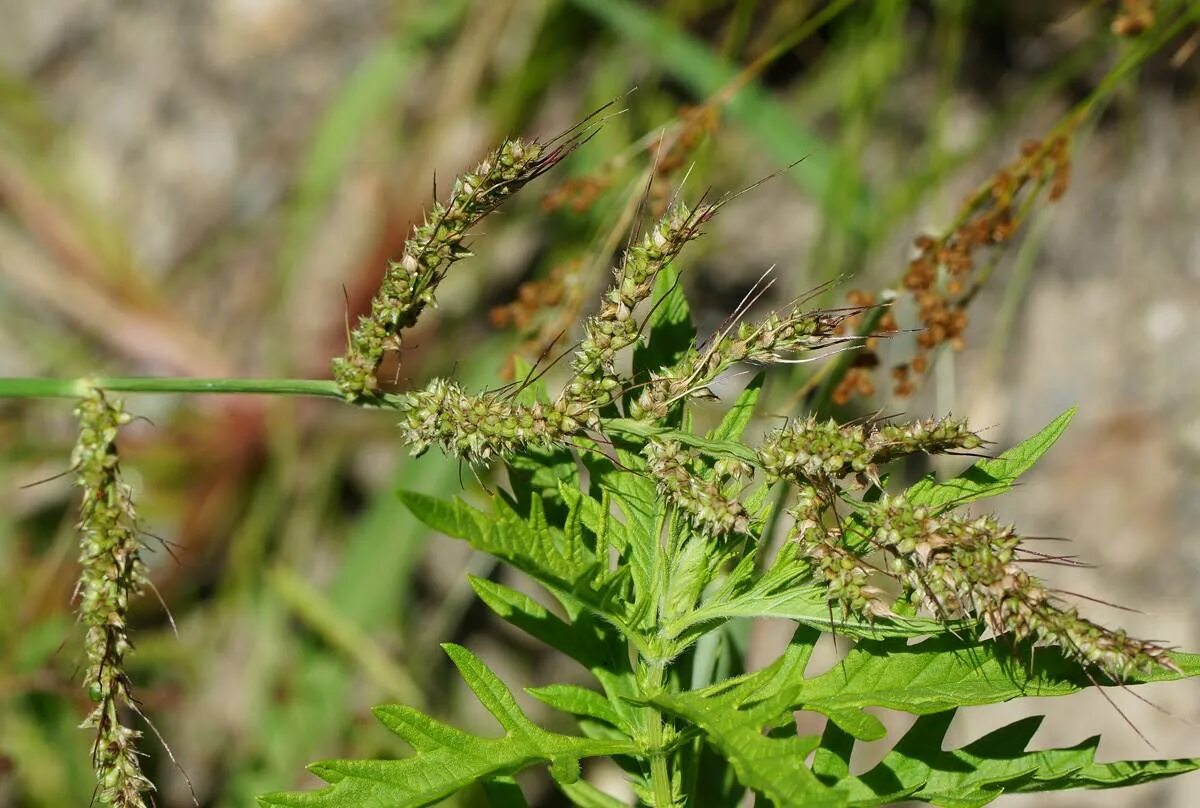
(435, 245)
(768, 341)
(478, 427)
(810, 449)
(111, 574)
(958, 566)
(710, 501)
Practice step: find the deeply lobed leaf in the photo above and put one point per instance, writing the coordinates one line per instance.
(446, 760)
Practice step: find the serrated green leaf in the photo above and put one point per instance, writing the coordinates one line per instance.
(503, 792)
(988, 478)
(805, 604)
(862, 726)
(734, 714)
(446, 759)
(943, 673)
(1051, 775)
(585, 647)
(422, 733)
(597, 517)
(903, 770)
(774, 767)
(931, 679)
(735, 421)
(636, 497)
(694, 563)
(831, 761)
(578, 701)
(976, 774)
(553, 556)
(969, 776)
(541, 473)
(491, 692)
(586, 795)
(591, 643)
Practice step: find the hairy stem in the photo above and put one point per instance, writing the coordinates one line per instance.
(660, 776)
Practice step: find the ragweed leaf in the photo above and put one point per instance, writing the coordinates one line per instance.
(585, 647)
(772, 766)
(586, 795)
(735, 421)
(578, 701)
(503, 792)
(931, 679)
(917, 768)
(988, 478)
(737, 717)
(589, 642)
(805, 604)
(636, 497)
(554, 556)
(947, 672)
(447, 759)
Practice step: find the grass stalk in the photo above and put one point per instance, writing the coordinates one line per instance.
(15, 387)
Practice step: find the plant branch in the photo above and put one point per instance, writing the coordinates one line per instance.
(77, 388)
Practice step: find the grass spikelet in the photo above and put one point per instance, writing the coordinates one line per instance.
(958, 566)
(112, 573)
(708, 502)
(409, 284)
(478, 428)
(769, 341)
(614, 327)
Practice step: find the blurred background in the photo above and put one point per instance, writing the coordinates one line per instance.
(210, 189)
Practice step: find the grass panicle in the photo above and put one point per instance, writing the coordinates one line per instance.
(409, 283)
(711, 502)
(951, 565)
(112, 573)
(956, 566)
(615, 328)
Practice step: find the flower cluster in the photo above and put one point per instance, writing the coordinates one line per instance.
(950, 565)
(930, 436)
(1135, 18)
(710, 501)
(846, 577)
(479, 428)
(858, 379)
(942, 276)
(953, 566)
(111, 573)
(809, 449)
(409, 284)
(957, 566)
(771, 340)
(614, 327)
(937, 278)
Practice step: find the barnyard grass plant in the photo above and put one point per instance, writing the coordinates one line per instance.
(650, 542)
(653, 544)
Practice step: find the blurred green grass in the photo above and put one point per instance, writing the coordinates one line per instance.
(302, 589)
